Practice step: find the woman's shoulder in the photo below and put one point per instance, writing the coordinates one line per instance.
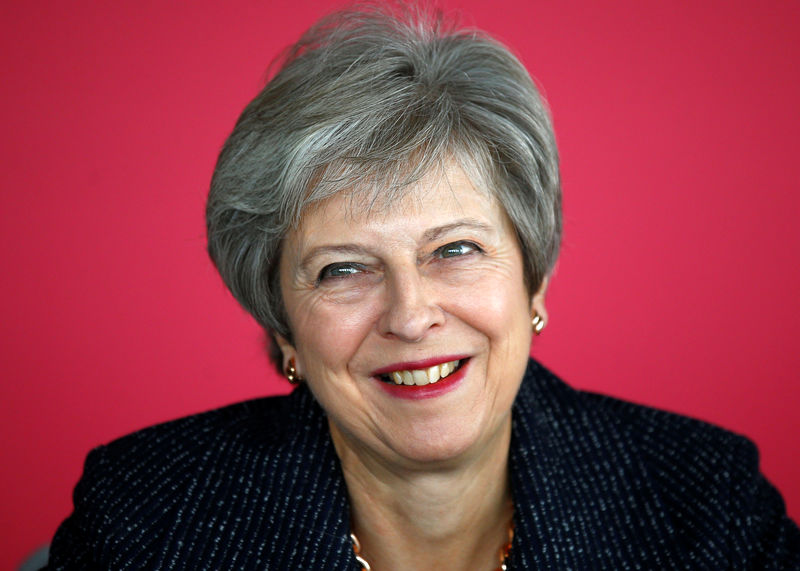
(216, 443)
(654, 430)
(214, 478)
(263, 421)
(671, 435)
(676, 451)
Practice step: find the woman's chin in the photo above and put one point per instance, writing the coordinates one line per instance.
(434, 443)
(456, 425)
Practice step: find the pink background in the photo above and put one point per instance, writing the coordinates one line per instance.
(678, 284)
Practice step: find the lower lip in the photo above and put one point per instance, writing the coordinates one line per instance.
(417, 392)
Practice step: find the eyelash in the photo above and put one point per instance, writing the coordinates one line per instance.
(351, 268)
(439, 252)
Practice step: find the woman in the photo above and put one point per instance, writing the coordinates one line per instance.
(388, 207)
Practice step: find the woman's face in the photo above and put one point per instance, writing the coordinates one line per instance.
(406, 294)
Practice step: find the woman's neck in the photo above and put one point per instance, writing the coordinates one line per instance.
(417, 517)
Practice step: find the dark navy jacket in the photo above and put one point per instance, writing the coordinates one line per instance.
(597, 483)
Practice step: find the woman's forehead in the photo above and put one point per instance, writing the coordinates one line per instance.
(379, 185)
(445, 182)
(449, 191)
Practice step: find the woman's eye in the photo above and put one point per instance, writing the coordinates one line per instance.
(457, 249)
(339, 270)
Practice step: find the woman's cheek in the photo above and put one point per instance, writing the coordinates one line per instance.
(351, 290)
(489, 288)
(335, 331)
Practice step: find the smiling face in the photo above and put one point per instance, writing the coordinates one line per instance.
(382, 303)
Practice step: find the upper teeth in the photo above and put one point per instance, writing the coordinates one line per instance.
(424, 376)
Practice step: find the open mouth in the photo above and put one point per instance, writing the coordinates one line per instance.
(422, 377)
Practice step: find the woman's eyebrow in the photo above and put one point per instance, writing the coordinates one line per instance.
(463, 224)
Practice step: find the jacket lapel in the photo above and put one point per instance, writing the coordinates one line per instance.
(583, 499)
(310, 528)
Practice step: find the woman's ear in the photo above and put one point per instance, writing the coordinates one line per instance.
(288, 352)
(538, 307)
(291, 367)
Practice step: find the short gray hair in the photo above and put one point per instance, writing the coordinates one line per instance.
(373, 98)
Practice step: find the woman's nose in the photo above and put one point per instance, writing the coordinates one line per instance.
(411, 308)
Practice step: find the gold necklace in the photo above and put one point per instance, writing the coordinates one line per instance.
(502, 552)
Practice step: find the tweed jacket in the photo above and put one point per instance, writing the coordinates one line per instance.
(597, 483)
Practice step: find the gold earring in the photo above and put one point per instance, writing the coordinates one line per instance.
(291, 373)
(538, 323)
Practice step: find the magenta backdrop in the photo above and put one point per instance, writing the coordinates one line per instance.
(678, 284)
